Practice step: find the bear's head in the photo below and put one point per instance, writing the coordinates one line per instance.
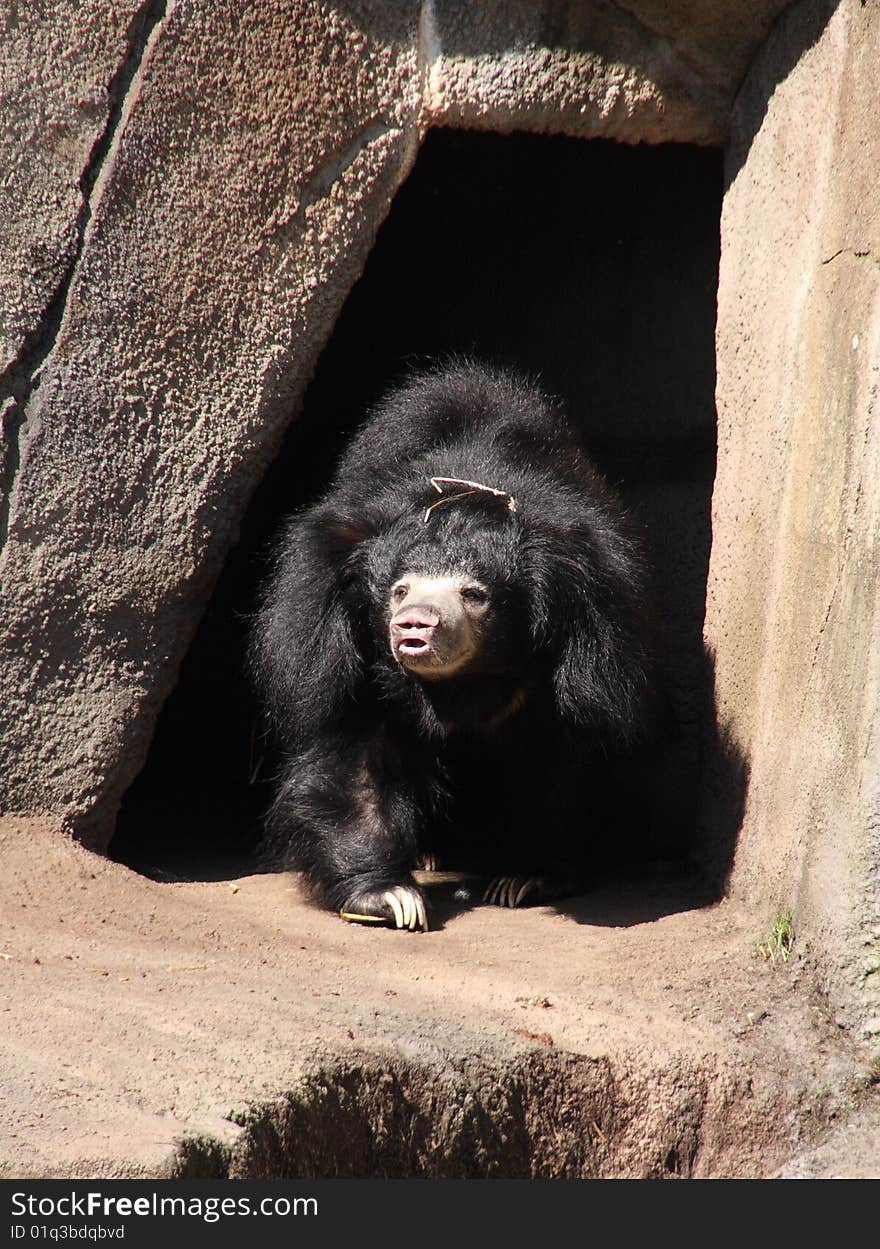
(459, 615)
(448, 593)
(436, 623)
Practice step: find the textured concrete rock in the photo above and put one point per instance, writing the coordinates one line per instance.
(639, 72)
(252, 162)
(848, 1151)
(60, 82)
(793, 587)
(58, 79)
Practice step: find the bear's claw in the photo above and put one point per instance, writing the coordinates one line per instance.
(401, 907)
(513, 890)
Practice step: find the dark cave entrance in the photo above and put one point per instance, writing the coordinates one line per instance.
(591, 265)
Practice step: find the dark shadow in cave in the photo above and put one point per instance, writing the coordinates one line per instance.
(593, 266)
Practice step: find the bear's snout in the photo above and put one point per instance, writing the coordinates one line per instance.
(417, 617)
(412, 630)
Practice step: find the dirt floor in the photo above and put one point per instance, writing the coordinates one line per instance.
(229, 1028)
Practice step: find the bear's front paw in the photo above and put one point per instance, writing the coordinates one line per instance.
(514, 891)
(402, 906)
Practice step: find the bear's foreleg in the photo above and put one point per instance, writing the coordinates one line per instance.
(352, 836)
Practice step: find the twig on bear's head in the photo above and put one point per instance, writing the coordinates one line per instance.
(475, 488)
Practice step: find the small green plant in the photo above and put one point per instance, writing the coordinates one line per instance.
(777, 948)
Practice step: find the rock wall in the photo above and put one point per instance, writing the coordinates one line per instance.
(792, 614)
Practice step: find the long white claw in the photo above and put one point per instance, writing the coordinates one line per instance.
(418, 918)
(390, 897)
(406, 901)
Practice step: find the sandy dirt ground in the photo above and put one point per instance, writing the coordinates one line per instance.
(139, 1015)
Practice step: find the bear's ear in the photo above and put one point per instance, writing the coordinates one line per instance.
(305, 653)
(584, 586)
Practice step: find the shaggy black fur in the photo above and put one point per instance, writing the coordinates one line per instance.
(503, 766)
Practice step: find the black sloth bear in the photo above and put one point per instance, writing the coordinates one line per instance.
(451, 649)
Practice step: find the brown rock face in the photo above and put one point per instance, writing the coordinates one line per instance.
(51, 126)
(247, 170)
(792, 611)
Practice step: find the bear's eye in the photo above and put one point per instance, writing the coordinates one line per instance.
(473, 594)
(400, 591)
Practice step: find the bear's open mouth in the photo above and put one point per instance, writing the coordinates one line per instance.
(413, 646)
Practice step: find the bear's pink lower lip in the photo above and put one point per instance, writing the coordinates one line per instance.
(413, 646)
